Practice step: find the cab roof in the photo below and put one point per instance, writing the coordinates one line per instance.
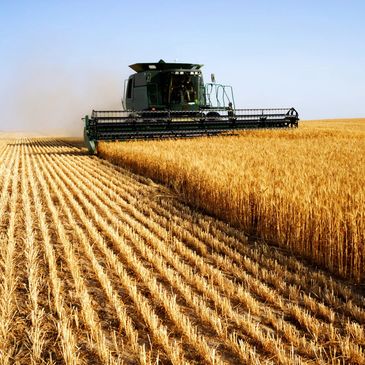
(163, 66)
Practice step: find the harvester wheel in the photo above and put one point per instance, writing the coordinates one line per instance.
(212, 116)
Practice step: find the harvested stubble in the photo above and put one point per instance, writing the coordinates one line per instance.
(100, 266)
(302, 189)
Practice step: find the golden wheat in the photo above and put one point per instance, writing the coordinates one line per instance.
(7, 261)
(63, 317)
(302, 189)
(99, 265)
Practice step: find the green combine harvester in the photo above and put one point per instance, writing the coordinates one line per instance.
(170, 100)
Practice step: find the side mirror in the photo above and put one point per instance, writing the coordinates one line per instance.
(212, 77)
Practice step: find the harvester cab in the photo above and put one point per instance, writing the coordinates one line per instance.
(165, 86)
(173, 86)
(170, 100)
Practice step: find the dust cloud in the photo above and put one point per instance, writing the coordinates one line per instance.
(52, 99)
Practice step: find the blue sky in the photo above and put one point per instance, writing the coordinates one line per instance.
(60, 59)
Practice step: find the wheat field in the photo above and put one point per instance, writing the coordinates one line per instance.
(302, 189)
(101, 266)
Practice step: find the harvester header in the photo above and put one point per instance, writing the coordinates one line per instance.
(171, 100)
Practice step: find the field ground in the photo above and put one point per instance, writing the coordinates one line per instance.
(101, 266)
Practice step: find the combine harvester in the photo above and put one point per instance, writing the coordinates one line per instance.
(170, 100)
